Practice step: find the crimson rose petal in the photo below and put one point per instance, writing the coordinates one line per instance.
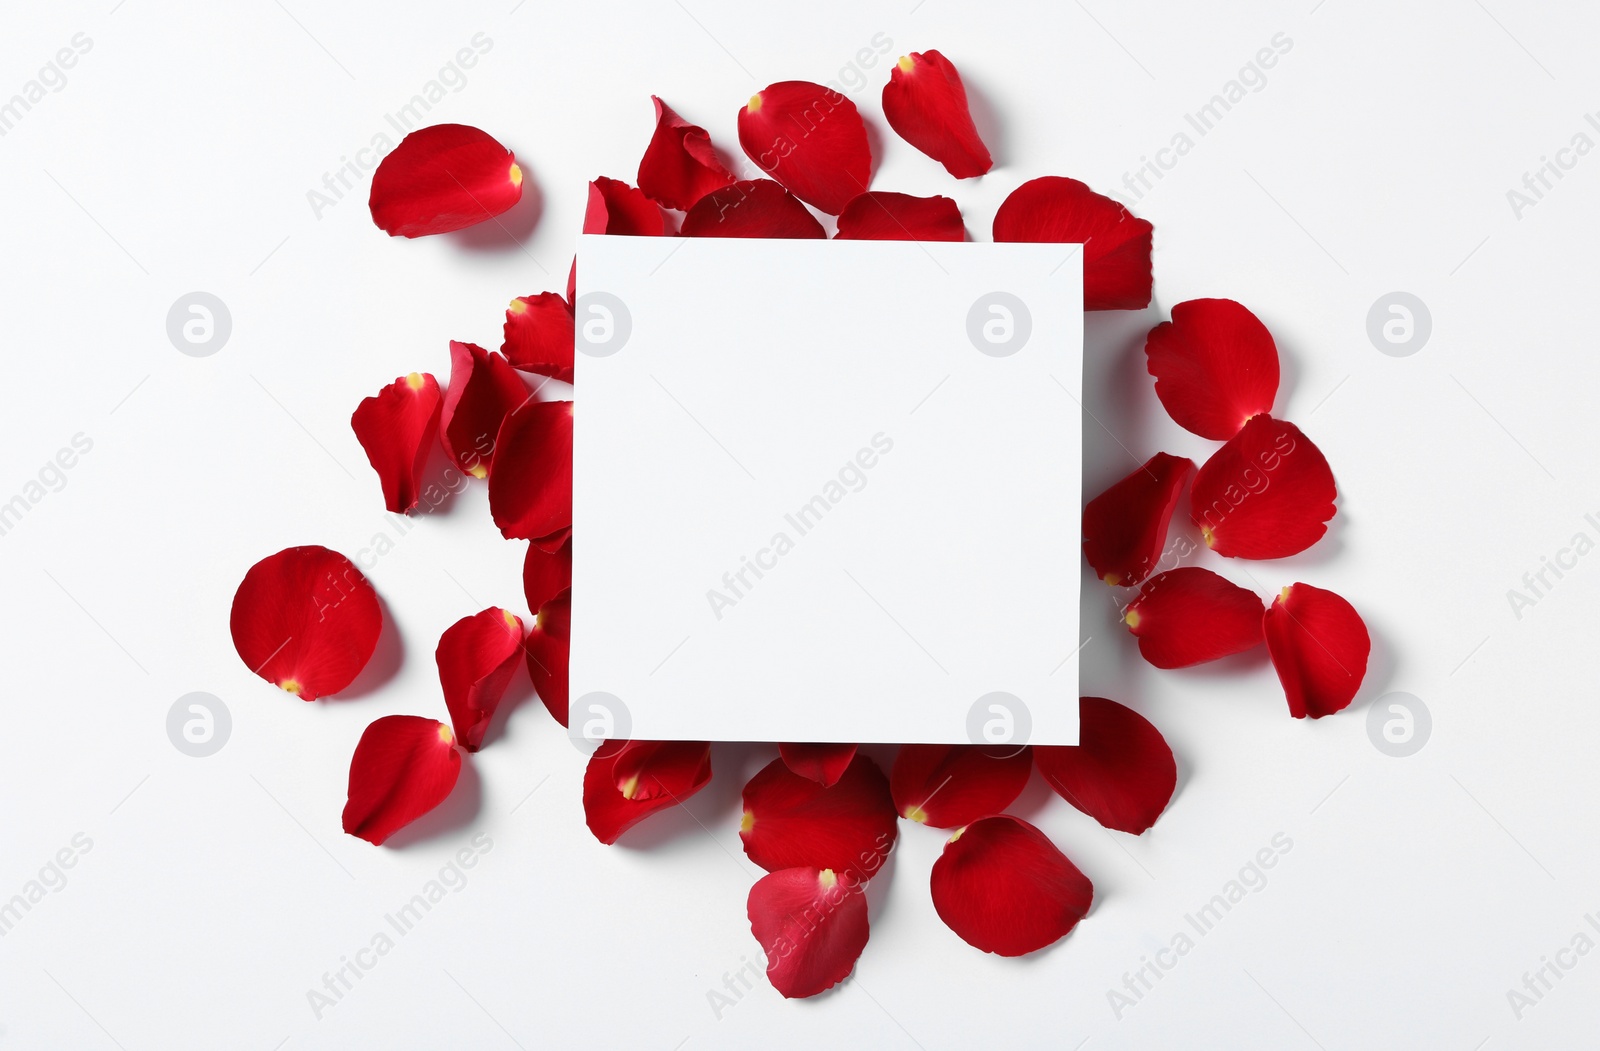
(1116, 244)
(546, 574)
(396, 428)
(1319, 647)
(811, 139)
(679, 166)
(879, 215)
(822, 763)
(443, 178)
(403, 767)
(947, 785)
(1004, 887)
(530, 486)
(306, 620)
(623, 786)
(483, 389)
(1191, 615)
(549, 648)
(1215, 366)
(791, 820)
(1121, 772)
(1268, 493)
(926, 104)
(1125, 527)
(751, 208)
(812, 926)
(477, 656)
(539, 335)
(617, 208)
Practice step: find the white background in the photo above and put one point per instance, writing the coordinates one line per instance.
(218, 891)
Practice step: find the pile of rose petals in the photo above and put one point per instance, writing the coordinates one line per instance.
(821, 819)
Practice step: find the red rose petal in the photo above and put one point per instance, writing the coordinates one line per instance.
(530, 486)
(1268, 493)
(1004, 887)
(1215, 366)
(822, 763)
(483, 389)
(1125, 527)
(926, 104)
(791, 820)
(477, 656)
(546, 574)
(549, 648)
(403, 767)
(623, 786)
(1191, 615)
(539, 335)
(1319, 647)
(1116, 244)
(1121, 772)
(617, 208)
(443, 178)
(680, 165)
(947, 785)
(751, 208)
(879, 215)
(396, 428)
(812, 926)
(306, 620)
(811, 139)
(553, 542)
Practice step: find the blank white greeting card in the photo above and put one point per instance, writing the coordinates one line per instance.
(826, 491)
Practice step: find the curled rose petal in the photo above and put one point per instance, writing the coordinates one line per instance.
(530, 486)
(306, 620)
(1004, 887)
(680, 165)
(546, 574)
(1121, 772)
(791, 820)
(403, 767)
(1125, 527)
(1215, 366)
(926, 104)
(822, 763)
(812, 926)
(483, 389)
(1191, 615)
(623, 786)
(879, 215)
(617, 208)
(539, 335)
(443, 178)
(811, 139)
(946, 785)
(1116, 244)
(751, 208)
(396, 428)
(549, 647)
(477, 656)
(1268, 493)
(1319, 648)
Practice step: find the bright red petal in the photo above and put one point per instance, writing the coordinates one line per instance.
(946, 785)
(546, 574)
(822, 763)
(305, 619)
(623, 786)
(396, 427)
(791, 820)
(1116, 244)
(483, 389)
(1125, 527)
(753, 208)
(403, 767)
(530, 487)
(539, 335)
(1191, 615)
(679, 166)
(812, 926)
(1004, 887)
(1215, 366)
(549, 647)
(1121, 771)
(811, 139)
(879, 215)
(926, 104)
(477, 656)
(1319, 647)
(443, 178)
(1268, 493)
(617, 208)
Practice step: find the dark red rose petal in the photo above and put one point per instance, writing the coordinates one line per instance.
(811, 139)
(617, 208)
(1268, 493)
(1191, 615)
(1004, 887)
(539, 335)
(443, 178)
(926, 104)
(403, 767)
(530, 487)
(477, 656)
(879, 215)
(1121, 771)
(546, 574)
(484, 388)
(812, 926)
(792, 821)
(1125, 527)
(396, 428)
(752, 208)
(1319, 647)
(306, 620)
(1215, 366)
(623, 786)
(680, 165)
(945, 785)
(549, 647)
(553, 542)
(1116, 244)
(822, 763)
